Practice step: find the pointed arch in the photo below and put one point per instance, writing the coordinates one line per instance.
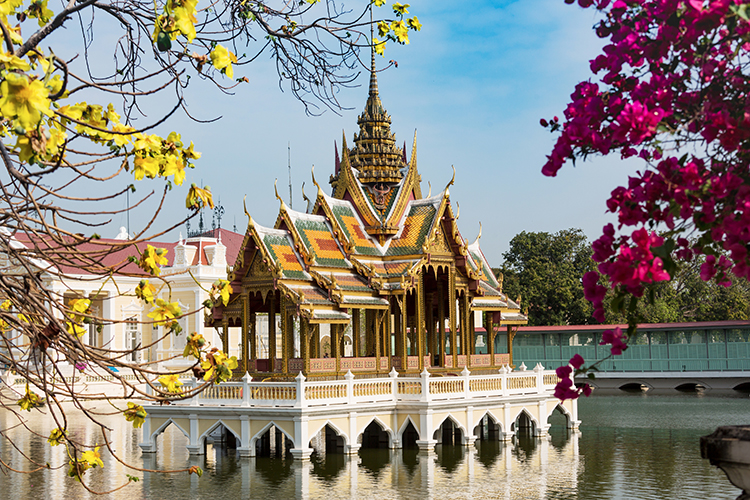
(392, 436)
(456, 424)
(259, 434)
(495, 429)
(566, 413)
(340, 433)
(202, 438)
(162, 428)
(535, 425)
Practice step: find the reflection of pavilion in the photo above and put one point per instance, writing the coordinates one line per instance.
(388, 268)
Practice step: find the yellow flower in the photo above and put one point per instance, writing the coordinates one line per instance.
(6, 305)
(400, 9)
(79, 305)
(414, 23)
(198, 197)
(92, 457)
(147, 166)
(222, 60)
(401, 31)
(8, 7)
(190, 154)
(121, 139)
(378, 3)
(56, 437)
(383, 29)
(223, 288)
(379, 46)
(171, 383)
(145, 291)
(152, 258)
(164, 311)
(136, 414)
(218, 366)
(13, 62)
(29, 400)
(112, 115)
(148, 142)
(195, 342)
(24, 100)
(75, 329)
(174, 165)
(56, 139)
(38, 9)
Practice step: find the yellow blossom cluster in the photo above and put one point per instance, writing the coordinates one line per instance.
(78, 309)
(33, 110)
(397, 30)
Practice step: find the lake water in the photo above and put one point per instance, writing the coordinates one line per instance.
(631, 446)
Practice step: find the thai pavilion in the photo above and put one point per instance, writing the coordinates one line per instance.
(379, 264)
(375, 259)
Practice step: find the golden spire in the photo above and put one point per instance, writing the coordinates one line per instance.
(375, 154)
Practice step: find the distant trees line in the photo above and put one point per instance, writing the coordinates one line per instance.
(546, 269)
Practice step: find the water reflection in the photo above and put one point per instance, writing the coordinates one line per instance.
(631, 447)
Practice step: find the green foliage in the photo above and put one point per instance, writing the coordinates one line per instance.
(545, 270)
(688, 298)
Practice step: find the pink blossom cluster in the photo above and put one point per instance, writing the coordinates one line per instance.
(672, 77)
(671, 87)
(565, 388)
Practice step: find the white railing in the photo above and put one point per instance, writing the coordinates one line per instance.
(304, 394)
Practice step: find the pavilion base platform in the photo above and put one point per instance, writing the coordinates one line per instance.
(395, 411)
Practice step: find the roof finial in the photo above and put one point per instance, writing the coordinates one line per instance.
(283, 205)
(373, 77)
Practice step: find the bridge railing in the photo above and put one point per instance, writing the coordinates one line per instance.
(425, 388)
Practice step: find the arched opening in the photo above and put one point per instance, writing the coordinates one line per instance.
(219, 441)
(524, 425)
(488, 429)
(743, 387)
(634, 387)
(328, 459)
(171, 442)
(326, 441)
(409, 436)
(559, 426)
(449, 434)
(273, 443)
(691, 387)
(374, 437)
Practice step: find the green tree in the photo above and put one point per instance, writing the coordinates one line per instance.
(545, 270)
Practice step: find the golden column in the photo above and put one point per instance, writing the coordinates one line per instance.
(452, 313)
(336, 345)
(471, 347)
(419, 328)
(284, 334)
(225, 335)
(253, 336)
(272, 331)
(511, 335)
(441, 324)
(490, 329)
(304, 328)
(356, 333)
(377, 328)
(431, 340)
(404, 333)
(245, 321)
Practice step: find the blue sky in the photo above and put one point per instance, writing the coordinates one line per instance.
(473, 84)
